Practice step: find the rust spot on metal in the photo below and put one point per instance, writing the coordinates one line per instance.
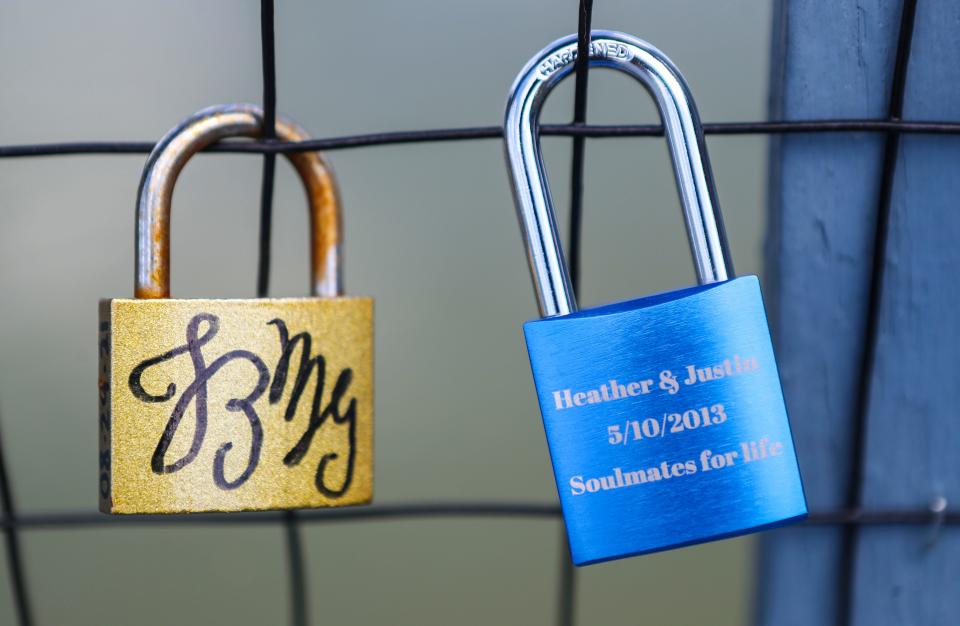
(147, 293)
(201, 130)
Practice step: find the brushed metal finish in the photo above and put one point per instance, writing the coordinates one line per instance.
(630, 342)
(192, 135)
(684, 136)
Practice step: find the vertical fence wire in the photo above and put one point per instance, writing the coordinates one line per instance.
(268, 54)
(291, 525)
(297, 569)
(18, 579)
(567, 592)
(581, 70)
(851, 533)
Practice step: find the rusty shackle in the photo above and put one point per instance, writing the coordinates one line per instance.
(152, 279)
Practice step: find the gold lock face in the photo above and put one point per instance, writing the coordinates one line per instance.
(230, 405)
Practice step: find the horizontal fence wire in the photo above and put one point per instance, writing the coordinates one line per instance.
(596, 131)
(412, 510)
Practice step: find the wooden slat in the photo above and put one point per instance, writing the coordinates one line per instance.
(830, 59)
(912, 455)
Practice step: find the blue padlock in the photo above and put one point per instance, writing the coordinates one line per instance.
(664, 415)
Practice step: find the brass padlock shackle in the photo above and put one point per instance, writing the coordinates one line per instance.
(684, 135)
(192, 135)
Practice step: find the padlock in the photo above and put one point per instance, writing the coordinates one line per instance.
(229, 405)
(664, 415)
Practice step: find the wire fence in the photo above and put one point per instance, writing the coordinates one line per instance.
(853, 516)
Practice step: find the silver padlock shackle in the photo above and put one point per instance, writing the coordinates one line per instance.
(684, 135)
(152, 278)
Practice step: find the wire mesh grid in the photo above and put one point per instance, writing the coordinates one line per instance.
(850, 518)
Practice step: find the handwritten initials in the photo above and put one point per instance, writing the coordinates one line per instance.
(196, 393)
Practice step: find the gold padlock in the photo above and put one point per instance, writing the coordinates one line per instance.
(230, 405)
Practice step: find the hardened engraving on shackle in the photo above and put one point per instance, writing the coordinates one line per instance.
(684, 137)
(229, 405)
(664, 414)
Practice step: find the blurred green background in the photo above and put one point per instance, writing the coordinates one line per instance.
(430, 232)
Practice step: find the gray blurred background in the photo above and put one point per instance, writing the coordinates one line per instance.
(431, 233)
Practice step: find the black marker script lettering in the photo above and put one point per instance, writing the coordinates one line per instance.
(196, 392)
(308, 364)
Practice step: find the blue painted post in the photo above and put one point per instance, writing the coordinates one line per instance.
(835, 60)
(831, 60)
(911, 575)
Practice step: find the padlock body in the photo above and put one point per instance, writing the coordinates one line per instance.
(229, 405)
(665, 421)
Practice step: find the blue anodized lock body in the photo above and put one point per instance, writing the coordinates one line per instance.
(664, 415)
